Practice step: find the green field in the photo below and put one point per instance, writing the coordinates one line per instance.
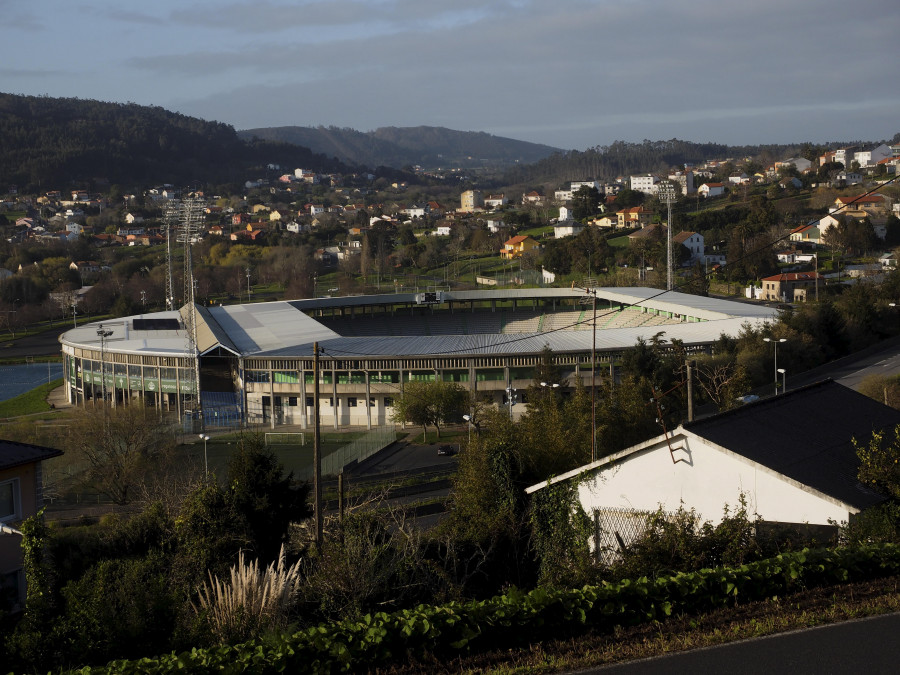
(29, 403)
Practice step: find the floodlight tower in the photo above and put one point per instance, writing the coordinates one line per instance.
(666, 193)
(191, 216)
(172, 220)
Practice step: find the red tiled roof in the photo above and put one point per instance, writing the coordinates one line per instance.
(794, 276)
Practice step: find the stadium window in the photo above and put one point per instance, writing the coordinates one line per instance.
(372, 402)
(292, 401)
(351, 402)
(309, 402)
(388, 402)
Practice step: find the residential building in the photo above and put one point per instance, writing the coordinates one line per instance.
(532, 197)
(789, 458)
(567, 228)
(21, 496)
(693, 242)
(790, 286)
(711, 190)
(518, 245)
(685, 179)
(495, 201)
(636, 216)
(809, 234)
(471, 200)
(872, 156)
(645, 184)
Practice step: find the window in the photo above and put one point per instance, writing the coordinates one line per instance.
(9, 500)
(351, 402)
(309, 402)
(388, 402)
(372, 402)
(292, 401)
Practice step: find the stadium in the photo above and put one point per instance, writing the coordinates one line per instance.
(254, 362)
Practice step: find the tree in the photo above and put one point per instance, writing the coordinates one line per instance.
(431, 404)
(879, 461)
(264, 496)
(116, 444)
(585, 202)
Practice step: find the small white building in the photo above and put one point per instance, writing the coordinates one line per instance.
(711, 190)
(567, 228)
(791, 457)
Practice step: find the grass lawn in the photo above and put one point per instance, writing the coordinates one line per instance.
(34, 401)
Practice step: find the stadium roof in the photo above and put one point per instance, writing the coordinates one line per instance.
(283, 328)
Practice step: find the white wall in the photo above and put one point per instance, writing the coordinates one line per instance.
(706, 481)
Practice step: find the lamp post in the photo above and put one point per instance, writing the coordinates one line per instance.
(205, 438)
(783, 379)
(470, 421)
(248, 283)
(775, 342)
(103, 333)
(510, 399)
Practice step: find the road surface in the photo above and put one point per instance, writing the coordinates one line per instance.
(861, 646)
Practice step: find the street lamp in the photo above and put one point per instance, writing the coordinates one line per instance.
(103, 333)
(775, 342)
(470, 421)
(205, 438)
(510, 399)
(783, 379)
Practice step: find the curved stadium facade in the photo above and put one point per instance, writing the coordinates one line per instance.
(254, 362)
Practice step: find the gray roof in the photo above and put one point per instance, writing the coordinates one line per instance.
(284, 329)
(14, 454)
(806, 434)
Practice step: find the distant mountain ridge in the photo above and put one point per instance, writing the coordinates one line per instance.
(398, 147)
(57, 142)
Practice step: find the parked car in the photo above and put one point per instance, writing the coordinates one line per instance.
(446, 450)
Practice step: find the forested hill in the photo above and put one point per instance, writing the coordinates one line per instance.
(54, 142)
(623, 159)
(399, 147)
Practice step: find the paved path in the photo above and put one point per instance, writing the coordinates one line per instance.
(862, 646)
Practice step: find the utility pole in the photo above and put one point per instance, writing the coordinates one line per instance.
(317, 449)
(593, 293)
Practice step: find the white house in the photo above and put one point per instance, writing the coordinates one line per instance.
(711, 190)
(872, 156)
(567, 228)
(645, 184)
(693, 242)
(565, 213)
(791, 457)
(495, 225)
(442, 231)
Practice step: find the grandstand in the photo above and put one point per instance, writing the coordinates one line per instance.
(255, 360)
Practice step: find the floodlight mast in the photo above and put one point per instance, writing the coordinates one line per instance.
(666, 192)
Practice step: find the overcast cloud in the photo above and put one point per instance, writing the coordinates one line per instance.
(569, 73)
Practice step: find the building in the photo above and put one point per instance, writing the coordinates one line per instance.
(791, 457)
(516, 246)
(471, 200)
(693, 242)
(636, 216)
(645, 184)
(711, 190)
(255, 362)
(790, 286)
(21, 496)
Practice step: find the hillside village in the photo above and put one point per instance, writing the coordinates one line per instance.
(805, 245)
(339, 216)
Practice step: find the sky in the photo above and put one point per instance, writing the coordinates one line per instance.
(573, 74)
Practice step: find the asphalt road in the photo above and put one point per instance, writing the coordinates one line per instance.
(865, 645)
(42, 344)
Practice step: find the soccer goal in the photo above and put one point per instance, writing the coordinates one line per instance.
(286, 438)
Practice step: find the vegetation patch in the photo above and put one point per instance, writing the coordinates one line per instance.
(31, 402)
